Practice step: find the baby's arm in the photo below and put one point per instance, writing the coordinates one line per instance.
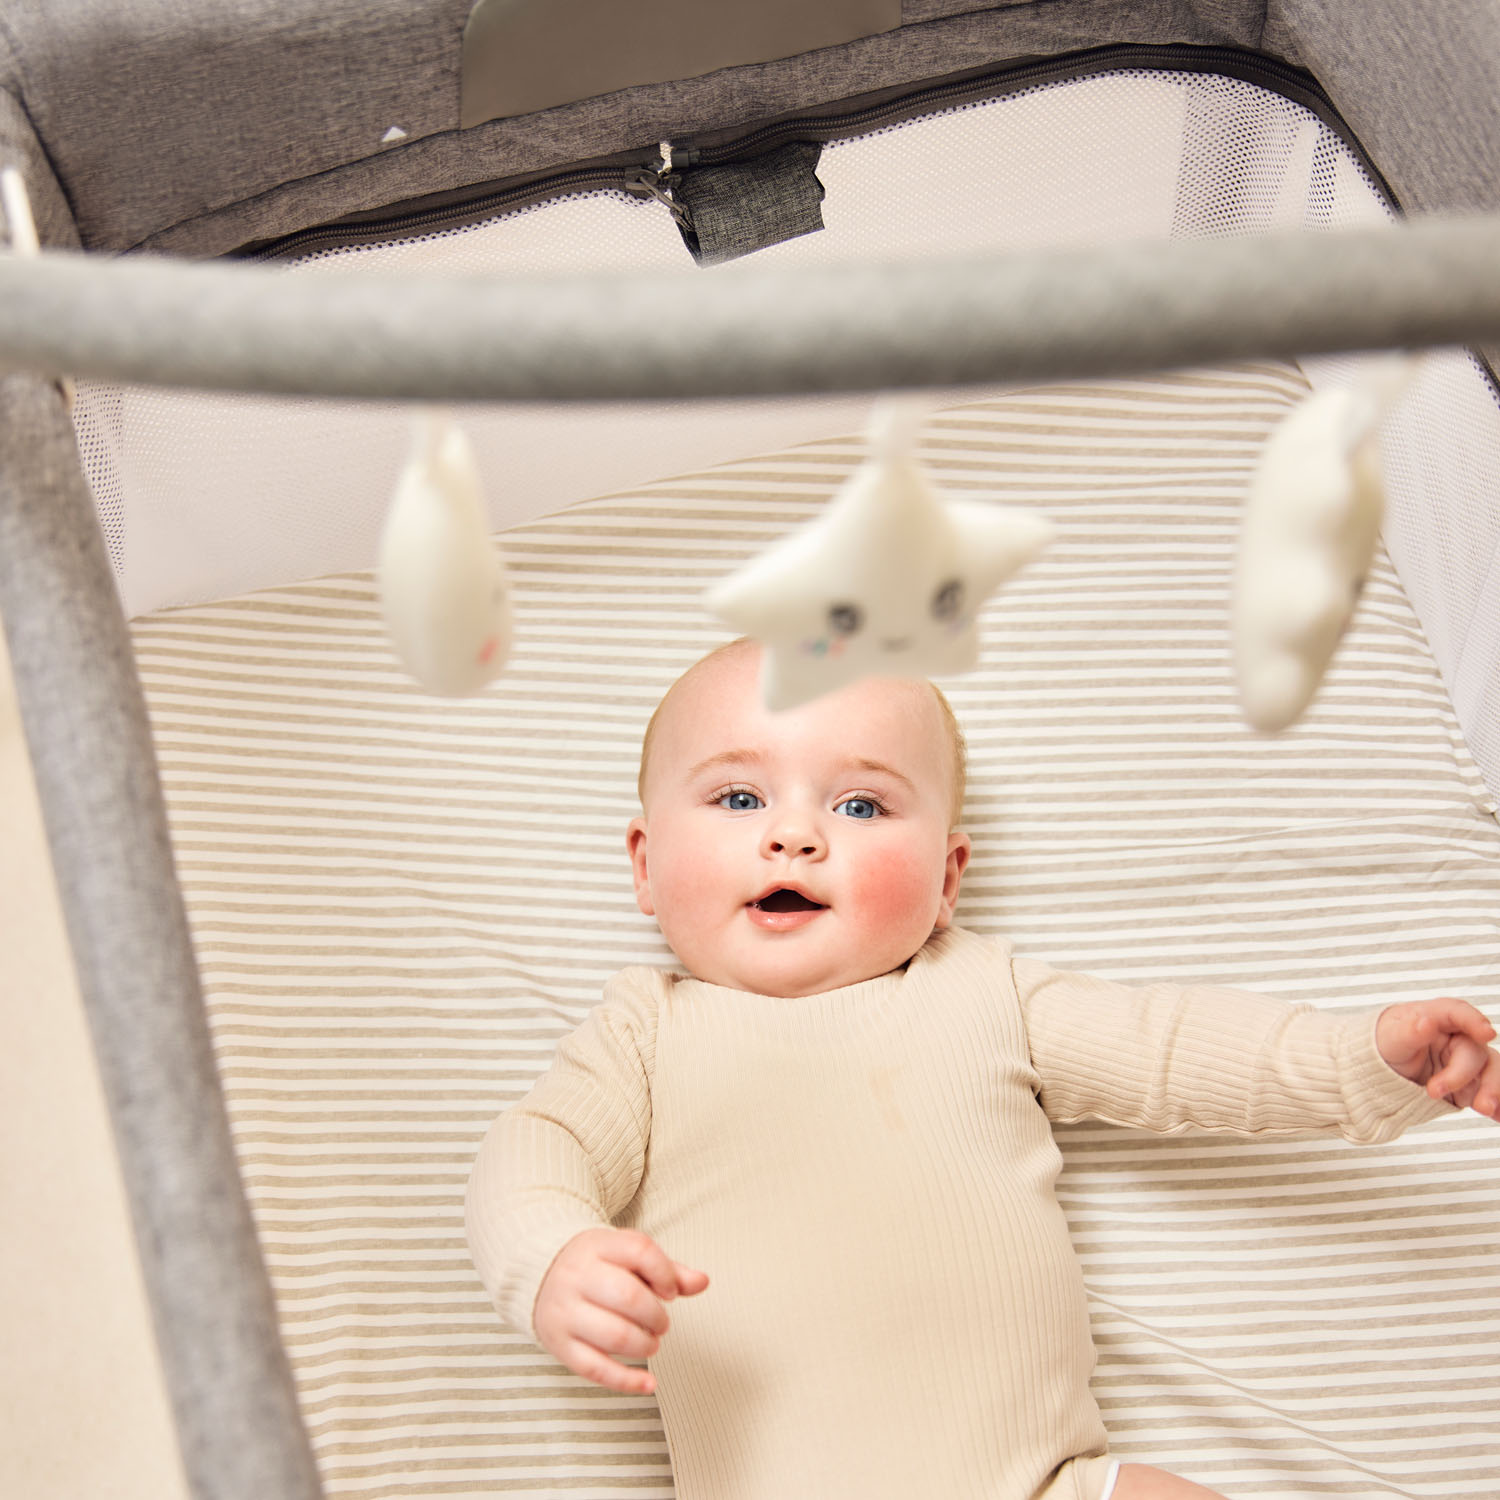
(603, 1296)
(1445, 1046)
(569, 1157)
(1169, 1057)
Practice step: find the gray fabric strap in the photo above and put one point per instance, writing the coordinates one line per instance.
(732, 210)
(238, 1425)
(1039, 316)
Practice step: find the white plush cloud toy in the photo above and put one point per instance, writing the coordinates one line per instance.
(442, 585)
(1311, 524)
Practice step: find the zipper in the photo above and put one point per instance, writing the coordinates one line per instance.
(997, 83)
(400, 225)
(659, 181)
(655, 176)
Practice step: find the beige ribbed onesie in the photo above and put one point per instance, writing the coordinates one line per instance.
(867, 1177)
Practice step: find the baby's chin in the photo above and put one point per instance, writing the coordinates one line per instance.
(783, 978)
(811, 957)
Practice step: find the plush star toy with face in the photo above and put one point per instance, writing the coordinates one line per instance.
(886, 582)
(1308, 536)
(442, 585)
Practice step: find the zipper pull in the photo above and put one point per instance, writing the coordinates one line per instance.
(659, 183)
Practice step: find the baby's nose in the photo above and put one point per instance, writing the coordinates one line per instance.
(792, 847)
(794, 837)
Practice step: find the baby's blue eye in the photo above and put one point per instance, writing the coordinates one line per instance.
(858, 807)
(740, 801)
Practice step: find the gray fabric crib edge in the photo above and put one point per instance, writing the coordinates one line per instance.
(307, 112)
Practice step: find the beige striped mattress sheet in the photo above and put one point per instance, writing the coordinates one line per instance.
(402, 903)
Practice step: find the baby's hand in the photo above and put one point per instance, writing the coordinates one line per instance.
(603, 1296)
(1443, 1045)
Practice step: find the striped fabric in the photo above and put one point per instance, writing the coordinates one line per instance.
(401, 904)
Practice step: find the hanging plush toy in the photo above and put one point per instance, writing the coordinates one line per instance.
(1311, 524)
(886, 582)
(442, 585)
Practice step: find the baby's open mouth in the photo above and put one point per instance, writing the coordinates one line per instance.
(785, 900)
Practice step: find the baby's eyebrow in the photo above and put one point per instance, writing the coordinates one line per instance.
(726, 758)
(750, 757)
(880, 768)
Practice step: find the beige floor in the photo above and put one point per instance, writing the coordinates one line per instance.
(82, 1411)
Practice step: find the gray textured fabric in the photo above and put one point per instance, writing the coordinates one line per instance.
(199, 136)
(1418, 83)
(1045, 315)
(734, 210)
(20, 148)
(1420, 87)
(156, 112)
(238, 1425)
(524, 55)
(1229, 17)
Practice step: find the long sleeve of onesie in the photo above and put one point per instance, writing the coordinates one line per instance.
(569, 1157)
(1168, 1058)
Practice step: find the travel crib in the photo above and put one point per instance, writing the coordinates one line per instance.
(398, 904)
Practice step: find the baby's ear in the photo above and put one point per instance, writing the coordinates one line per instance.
(959, 848)
(635, 844)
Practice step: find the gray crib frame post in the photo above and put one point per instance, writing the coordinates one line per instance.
(239, 1429)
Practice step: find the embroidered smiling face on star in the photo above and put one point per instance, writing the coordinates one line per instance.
(845, 625)
(886, 582)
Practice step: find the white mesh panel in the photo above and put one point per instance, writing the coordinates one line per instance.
(1441, 451)
(208, 496)
(98, 414)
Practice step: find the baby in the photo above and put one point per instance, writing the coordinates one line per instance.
(841, 1109)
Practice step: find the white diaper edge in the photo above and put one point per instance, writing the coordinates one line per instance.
(1111, 1480)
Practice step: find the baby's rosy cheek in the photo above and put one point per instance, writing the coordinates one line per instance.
(898, 886)
(689, 888)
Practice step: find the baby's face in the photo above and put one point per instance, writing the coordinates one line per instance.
(796, 852)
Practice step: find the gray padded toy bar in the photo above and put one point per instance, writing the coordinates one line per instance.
(1032, 317)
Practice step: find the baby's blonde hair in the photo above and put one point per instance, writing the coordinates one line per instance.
(957, 748)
